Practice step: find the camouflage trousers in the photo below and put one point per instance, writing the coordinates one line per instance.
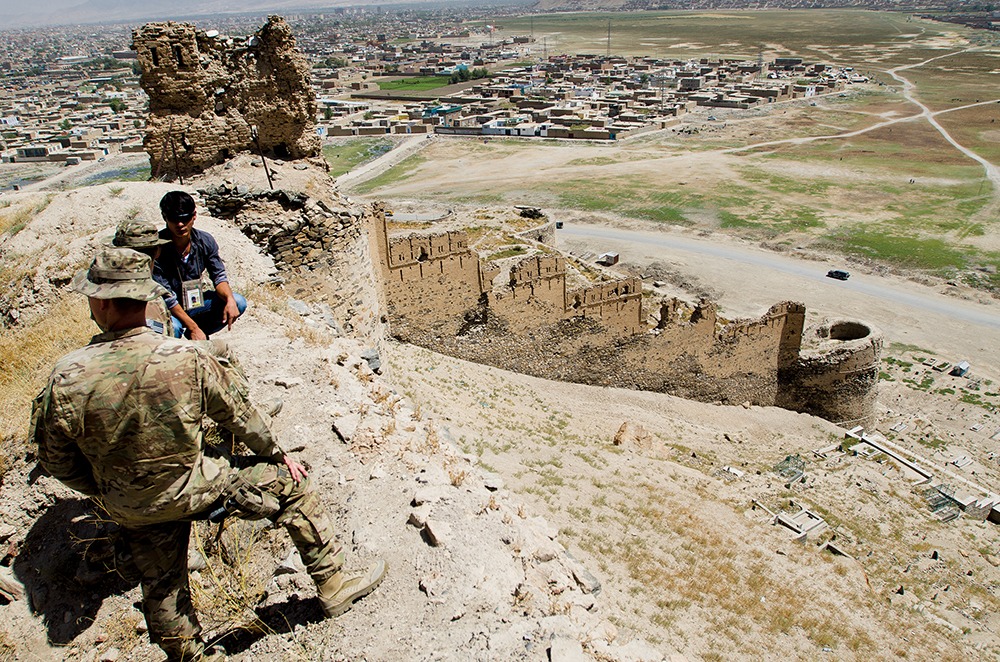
(160, 553)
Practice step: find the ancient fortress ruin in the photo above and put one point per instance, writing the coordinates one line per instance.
(207, 90)
(440, 296)
(434, 291)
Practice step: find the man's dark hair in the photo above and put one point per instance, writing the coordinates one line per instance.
(176, 205)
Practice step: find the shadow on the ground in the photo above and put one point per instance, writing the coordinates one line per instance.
(64, 566)
(275, 619)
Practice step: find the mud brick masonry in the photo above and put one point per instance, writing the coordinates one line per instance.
(440, 296)
(434, 291)
(207, 90)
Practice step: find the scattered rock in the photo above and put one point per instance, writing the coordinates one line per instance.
(633, 435)
(291, 565)
(587, 581)
(492, 481)
(196, 561)
(438, 533)
(372, 357)
(430, 494)
(345, 427)
(288, 382)
(566, 649)
(419, 515)
(299, 307)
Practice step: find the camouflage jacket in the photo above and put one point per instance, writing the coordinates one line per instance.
(121, 420)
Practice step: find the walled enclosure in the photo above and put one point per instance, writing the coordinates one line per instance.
(440, 296)
(205, 92)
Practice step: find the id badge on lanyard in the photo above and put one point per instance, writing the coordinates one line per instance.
(192, 295)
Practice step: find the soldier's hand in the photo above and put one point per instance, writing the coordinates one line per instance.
(198, 334)
(297, 471)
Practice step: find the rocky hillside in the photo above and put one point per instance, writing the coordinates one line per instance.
(473, 573)
(520, 518)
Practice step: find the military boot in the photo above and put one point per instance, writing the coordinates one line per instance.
(337, 594)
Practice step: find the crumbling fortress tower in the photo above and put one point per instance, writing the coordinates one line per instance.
(207, 90)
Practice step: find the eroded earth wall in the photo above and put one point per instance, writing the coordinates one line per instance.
(206, 91)
(439, 296)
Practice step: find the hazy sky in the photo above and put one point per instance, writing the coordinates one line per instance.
(40, 6)
(31, 13)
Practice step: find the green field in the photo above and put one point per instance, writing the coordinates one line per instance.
(417, 84)
(349, 153)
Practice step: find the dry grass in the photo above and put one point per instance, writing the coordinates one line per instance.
(8, 652)
(17, 215)
(233, 583)
(123, 631)
(27, 354)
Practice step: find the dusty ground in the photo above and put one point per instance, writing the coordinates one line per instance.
(685, 559)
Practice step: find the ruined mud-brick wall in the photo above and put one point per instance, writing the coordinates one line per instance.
(440, 298)
(543, 234)
(690, 359)
(206, 92)
(320, 245)
(432, 280)
(836, 375)
(295, 230)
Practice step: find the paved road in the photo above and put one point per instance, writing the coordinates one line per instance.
(816, 272)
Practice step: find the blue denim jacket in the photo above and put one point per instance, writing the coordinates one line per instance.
(170, 270)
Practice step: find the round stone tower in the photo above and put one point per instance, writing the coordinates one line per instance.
(836, 374)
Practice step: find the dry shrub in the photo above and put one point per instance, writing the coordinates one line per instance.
(458, 477)
(267, 296)
(237, 572)
(363, 374)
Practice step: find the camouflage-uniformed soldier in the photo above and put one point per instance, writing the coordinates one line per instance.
(121, 421)
(143, 236)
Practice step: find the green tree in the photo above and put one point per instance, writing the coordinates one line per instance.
(369, 115)
(136, 123)
(116, 104)
(327, 113)
(137, 68)
(65, 125)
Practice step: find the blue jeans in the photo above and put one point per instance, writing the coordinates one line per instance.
(209, 317)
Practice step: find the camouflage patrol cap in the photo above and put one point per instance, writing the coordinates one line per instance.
(119, 273)
(137, 233)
